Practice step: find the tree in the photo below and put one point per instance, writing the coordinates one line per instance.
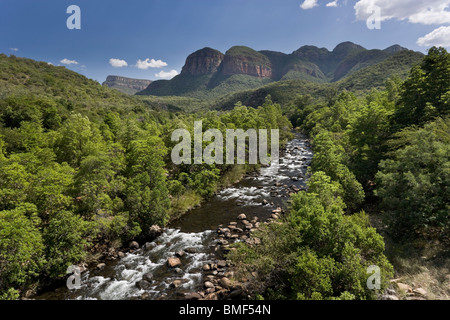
(367, 133)
(92, 185)
(424, 92)
(14, 184)
(21, 247)
(49, 189)
(328, 157)
(413, 183)
(146, 190)
(65, 240)
(78, 139)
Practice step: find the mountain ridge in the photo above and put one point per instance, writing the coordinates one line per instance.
(209, 72)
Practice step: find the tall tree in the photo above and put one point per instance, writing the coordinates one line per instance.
(426, 91)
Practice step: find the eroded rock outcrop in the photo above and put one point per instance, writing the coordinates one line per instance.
(201, 62)
(244, 60)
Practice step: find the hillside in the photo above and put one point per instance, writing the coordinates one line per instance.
(374, 76)
(209, 74)
(25, 83)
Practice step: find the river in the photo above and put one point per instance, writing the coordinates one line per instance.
(194, 234)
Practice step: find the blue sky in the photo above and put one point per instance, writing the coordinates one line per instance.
(167, 31)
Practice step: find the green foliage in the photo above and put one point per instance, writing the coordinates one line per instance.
(78, 139)
(375, 76)
(21, 248)
(318, 253)
(65, 241)
(368, 130)
(14, 182)
(414, 182)
(146, 190)
(328, 157)
(29, 89)
(425, 92)
(205, 182)
(10, 294)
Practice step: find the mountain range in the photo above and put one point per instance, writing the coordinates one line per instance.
(208, 73)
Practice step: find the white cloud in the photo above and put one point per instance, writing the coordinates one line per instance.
(147, 63)
(439, 37)
(423, 12)
(166, 75)
(68, 62)
(308, 4)
(333, 3)
(14, 49)
(118, 63)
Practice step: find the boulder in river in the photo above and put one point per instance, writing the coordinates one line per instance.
(191, 250)
(242, 216)
(180, 253)
(277, 210)
(176, 283)
(173, 262)
(206, 267)
(155, 231)
(101, 266)
(143, 285)
(225, 283)
(134, 245)
(148, 277)
(192, 296)
(221, 263)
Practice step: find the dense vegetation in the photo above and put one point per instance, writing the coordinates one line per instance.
(388, 151)
(74, 172)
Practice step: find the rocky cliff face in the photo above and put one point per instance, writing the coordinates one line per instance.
(126, 85)
(201, 62)
(243, 60)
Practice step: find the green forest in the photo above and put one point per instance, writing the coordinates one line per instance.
(83, 165)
